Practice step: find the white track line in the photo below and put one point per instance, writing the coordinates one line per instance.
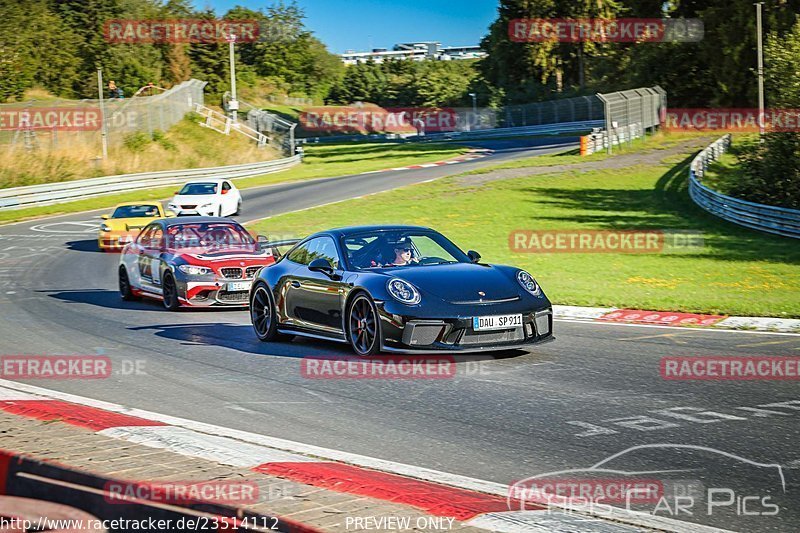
(710, 329)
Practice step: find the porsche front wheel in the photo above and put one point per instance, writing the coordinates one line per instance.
(363, 326)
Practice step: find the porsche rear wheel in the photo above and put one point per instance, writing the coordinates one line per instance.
(262, 314)
(363, 326)
(169, 291)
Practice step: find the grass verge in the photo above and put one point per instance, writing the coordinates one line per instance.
(320, 161)
(737, 272)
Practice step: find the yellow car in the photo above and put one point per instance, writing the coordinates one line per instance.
(125, 222)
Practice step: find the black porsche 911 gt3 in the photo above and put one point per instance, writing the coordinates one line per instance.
(397, 289)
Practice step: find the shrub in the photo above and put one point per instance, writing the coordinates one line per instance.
(137, 142)
(771, 171)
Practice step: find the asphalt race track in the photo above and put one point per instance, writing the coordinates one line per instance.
(594, 392)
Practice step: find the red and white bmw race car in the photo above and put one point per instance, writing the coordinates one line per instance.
(192, 261)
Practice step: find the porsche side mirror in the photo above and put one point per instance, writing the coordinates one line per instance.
(321, 264)
(105, 217)
(474, 256)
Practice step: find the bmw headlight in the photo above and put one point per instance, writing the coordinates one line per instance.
(194, 270)
(104, 228)
(528, 283)
(403, 291)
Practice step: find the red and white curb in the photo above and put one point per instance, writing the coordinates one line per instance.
(670, 318)
(474, 502)
(475, 153)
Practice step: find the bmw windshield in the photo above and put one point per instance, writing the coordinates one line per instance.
(205, 238)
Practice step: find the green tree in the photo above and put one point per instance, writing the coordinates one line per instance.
(36, 48)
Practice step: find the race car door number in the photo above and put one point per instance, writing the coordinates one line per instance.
(484, 323)
(239, 286)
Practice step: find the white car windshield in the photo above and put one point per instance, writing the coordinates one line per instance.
(198, 189)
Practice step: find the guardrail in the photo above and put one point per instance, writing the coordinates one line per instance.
(225, 125)
(541, 129)
(767, 218)
(601, 140)
(53, 193)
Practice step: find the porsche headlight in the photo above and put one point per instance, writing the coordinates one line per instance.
(528, 283)
(403, 291)
(104, 228)
(194, 270)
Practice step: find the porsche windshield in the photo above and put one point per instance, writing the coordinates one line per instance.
(389, 249)
(198, 189)
(135, 211)
(209, 237)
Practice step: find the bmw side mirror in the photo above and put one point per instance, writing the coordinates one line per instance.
(262, 242)
(474, 256)
(321, 264)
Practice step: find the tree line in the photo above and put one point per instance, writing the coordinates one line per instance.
(59, 44)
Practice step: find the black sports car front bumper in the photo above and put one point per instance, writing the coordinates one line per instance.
(409, 334)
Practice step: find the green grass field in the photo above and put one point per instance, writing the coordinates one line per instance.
(738, 272)
(320, 161)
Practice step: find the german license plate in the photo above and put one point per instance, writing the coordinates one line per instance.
(486, 323)
(234, 286)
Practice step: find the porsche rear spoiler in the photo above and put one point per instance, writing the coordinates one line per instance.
(275, 246)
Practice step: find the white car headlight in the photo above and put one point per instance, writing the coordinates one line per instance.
(194, 270)
(403, 291)
(210, 204)
(172, 205)
(528, 283)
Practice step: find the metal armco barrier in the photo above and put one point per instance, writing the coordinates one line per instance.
(767, 218)
(53, 193)
(542, 129)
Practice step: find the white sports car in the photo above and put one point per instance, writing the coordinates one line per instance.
(213, 197)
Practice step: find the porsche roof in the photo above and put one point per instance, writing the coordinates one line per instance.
(379, 227)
